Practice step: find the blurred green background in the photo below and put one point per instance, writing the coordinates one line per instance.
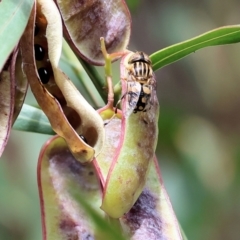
(199, 127)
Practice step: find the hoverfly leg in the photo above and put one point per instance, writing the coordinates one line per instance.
(116, 108)
(119, 101)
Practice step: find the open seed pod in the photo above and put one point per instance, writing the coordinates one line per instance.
(123, 182)
(68, 112)
(65, 216)
(152, 216)
(84, 22)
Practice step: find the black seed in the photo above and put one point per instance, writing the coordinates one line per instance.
(39, 52)
(44, 75)
(83, 138)
(36, 30)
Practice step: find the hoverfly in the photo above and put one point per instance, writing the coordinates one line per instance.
(140, 83)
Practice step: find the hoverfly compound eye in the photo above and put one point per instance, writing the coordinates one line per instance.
(139, 57)
(145, 58)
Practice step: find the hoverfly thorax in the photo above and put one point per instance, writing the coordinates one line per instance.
(140, 67)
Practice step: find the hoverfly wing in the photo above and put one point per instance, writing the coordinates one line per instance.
(153, 84)
(133, 93)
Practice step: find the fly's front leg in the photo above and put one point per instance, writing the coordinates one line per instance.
(116, 108)
(118, 102)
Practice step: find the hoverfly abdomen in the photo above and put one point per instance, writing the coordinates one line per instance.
(139, 95)
(144, 99)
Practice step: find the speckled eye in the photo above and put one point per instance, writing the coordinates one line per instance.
(44, 75)
(39, 52)
(139, 57)
(83, 138)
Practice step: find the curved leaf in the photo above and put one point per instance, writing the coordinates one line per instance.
(219, 36)
(33, 119)
(13, 20)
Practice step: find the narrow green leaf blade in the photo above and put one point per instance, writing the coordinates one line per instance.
(32, 119)
(13, 20)
(219, 36)
(105, 229)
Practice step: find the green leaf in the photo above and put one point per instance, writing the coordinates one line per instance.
(91, 91)
(14, 18)
(32, 119)
(105, 229)
(219, 36)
